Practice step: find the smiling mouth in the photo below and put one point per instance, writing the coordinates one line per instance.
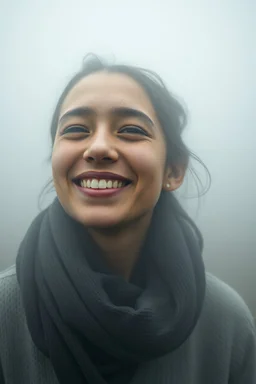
(93, 183)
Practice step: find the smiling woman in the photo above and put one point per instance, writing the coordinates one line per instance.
(109, 284)
(108, 124)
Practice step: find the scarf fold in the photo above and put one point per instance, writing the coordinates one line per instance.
(94, 326)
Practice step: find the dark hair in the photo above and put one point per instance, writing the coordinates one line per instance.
(171, 114)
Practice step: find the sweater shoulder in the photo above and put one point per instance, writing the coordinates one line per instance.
(8, 278)
(8, 272)
(8, 281)
(232, 324)
(9, 291)
(226, 301)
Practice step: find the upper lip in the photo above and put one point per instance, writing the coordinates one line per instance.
(100, 175)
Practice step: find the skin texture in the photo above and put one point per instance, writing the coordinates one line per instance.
(123, 144)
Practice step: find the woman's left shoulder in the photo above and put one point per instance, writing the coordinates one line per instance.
(228, 325)
(224, 303)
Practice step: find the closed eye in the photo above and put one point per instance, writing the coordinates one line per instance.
(75, 129)
(133, 130)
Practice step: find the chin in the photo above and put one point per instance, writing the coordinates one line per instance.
(100, 220)
(100, 223)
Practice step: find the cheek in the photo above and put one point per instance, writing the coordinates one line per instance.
(62, 160)
(149, 163)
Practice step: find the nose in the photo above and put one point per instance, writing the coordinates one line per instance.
(100, 149)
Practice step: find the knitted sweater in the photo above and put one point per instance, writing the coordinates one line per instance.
(221, 349)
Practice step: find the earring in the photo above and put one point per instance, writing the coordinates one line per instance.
(168, 185)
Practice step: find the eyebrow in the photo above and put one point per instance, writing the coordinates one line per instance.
(117, 111)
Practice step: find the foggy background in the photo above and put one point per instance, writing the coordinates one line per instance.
(204, 50)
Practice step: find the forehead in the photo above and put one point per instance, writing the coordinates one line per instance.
(104, 91)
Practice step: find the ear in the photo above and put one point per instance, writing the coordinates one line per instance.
(173, 178)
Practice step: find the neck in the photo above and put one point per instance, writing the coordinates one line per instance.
(121, 247)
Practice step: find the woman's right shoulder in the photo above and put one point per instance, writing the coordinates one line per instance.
(18, 356)
(10, 271)
(8, 277)
(9, 287)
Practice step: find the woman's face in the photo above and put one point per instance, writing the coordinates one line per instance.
(109, 153)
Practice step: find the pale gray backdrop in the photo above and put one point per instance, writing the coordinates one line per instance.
(205, 50)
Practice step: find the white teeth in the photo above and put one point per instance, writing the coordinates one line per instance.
(101, 184)
(109, 184)
(95, 184)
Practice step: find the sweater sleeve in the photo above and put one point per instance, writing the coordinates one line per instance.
(1, 374)
(243, 365)
(246, 367)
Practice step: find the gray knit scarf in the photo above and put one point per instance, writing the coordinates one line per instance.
(94, 326)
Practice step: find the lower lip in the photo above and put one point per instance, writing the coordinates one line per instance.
(101, 192)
